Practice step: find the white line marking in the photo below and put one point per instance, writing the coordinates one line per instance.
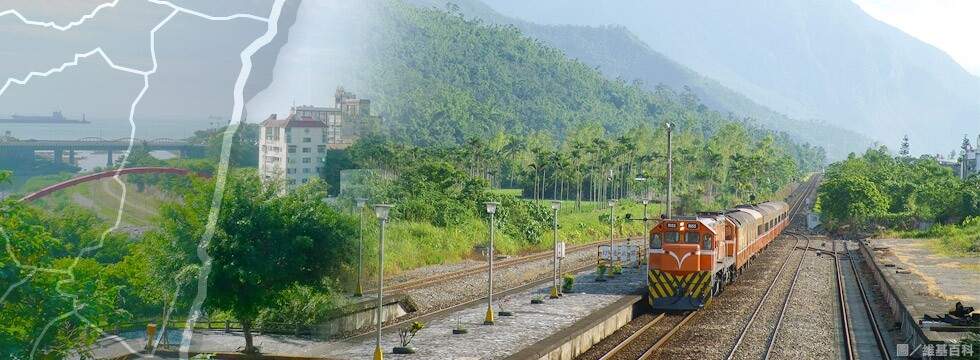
(56, 26)
(272, 29)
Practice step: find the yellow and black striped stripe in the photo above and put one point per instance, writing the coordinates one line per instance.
(696, 286)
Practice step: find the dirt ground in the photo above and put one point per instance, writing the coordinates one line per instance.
(946, 278)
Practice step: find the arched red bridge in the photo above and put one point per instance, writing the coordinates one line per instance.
(105, 174)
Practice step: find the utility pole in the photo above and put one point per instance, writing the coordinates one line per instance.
(670, 168)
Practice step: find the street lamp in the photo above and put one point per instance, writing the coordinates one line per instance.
(670, 168)
(381, 210)
(491, 209)
(360, 248)
(612, 204)
(555, 205)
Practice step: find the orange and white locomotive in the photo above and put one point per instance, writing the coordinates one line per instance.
(691, 258)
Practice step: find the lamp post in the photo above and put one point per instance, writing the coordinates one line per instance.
(360, 248)
(670, 167)
(555, 205)
(491, 209)
(612, 205)
(381, 210)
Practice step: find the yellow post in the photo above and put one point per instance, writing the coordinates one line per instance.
(489, 318)
(151, 333)
(377, 353)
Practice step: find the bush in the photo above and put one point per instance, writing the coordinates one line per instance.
(568, 283)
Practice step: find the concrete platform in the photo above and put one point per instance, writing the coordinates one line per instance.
(916, 282)
(531, 324)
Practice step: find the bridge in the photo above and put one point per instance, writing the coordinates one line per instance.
(105, 174)
(23, 150)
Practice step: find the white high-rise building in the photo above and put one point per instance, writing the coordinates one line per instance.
(292, 148)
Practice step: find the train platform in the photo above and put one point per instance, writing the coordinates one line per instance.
(916, 282)
(530, 325)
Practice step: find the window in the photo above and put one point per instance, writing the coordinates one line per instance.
(321, 149)
(307, 150)
(307, 140)
(291, 171)
(292, 160)
(306, 170)
(306, 180)
(671, 237)
(692, 238)
(758, 231)
(706, 245)
(656, 242)
(292, 149)
(306, 160)
(323, 139)
(289, 138)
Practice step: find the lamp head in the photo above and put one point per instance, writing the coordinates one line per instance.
(382, 210)
(492, 207)
(612, 202)
(669, 126)
(555, 205)
(646, 201)
(361, 202)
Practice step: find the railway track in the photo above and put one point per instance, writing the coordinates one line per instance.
(853, 324)
(399, 324)
(480, 269)
(771, 338)
(758, 309)
(660, 329)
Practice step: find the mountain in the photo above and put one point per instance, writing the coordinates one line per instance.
(619, 54)
(438, 79)
(824, 60)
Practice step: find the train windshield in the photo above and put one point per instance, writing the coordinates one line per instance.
(671, 237)
(692, 238)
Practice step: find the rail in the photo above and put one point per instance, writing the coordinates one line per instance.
(879, 339)
(632, 338)
(842, 301)
(782, 311)
(663, 340)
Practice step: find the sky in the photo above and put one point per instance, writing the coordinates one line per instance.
(950, 25)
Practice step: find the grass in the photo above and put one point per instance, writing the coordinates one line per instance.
(410, 245)
(947, 240)
(511, 192)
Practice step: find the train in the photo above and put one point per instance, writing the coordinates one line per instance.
(690, 259)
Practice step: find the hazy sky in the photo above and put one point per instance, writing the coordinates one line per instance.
(951, 25)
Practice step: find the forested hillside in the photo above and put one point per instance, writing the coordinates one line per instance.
(827, 60)
(439, 78)
(617, 53)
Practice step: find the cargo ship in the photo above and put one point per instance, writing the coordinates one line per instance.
(55, 118)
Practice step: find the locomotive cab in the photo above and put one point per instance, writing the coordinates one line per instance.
(682, 259)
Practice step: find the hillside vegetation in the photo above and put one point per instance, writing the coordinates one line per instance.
(617, 53)
(439, 78)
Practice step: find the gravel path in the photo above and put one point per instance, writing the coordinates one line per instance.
(809, 328)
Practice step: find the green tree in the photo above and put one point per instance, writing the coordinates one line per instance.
(851, 199)
(266, 242)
